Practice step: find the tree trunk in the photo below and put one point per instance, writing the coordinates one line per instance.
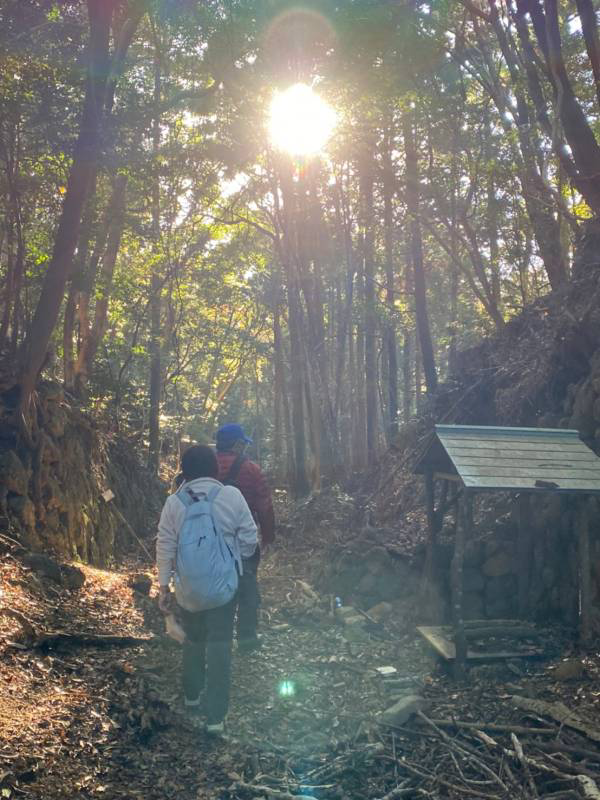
(78, 299)
(281, 416)
(406, 377)
(68, 332)
(539, 201)
(419, 286)
(390, 327)
(368, 225)
(9, 283)
(418, 375)
(90, 346)
(454, 273)
(589, 27)
(360, 433)
(310, 253)
(156, 283)
(581, 139)
(301, 485)
(15, 245)
(492, 215)
(313, 420)
(345, 316)
(85, 161)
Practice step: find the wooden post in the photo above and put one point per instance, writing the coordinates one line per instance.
(463, 529)
(524, 554)
(427, 594)
(431, 523)
(583, 536)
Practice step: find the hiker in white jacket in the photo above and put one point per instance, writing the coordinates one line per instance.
(209, 634)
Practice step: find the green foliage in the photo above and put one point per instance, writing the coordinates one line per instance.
(204, 202)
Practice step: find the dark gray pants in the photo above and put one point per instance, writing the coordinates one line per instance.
(248, 598)
(207, 657)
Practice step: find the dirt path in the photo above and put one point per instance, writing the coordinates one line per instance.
(108, 722)
(88, 722)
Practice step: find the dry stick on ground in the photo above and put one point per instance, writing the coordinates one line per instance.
(11, 541)
(493, 726)
(90, 639)
(587, 784)
(559, 712)
(429, 776)
(466, 751)
(561, 747)
(51, 638)
(570, 767)
(521, 756)
(399, 791)
(269, 792)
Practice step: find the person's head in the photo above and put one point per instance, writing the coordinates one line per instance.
(199, 461)
(231, 438)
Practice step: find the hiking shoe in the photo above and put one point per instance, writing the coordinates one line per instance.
(249, 645)
(194, 707)
(215, 729)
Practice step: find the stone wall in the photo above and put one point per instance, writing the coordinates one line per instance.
(51, 495)
(492, 564)
(370, 568)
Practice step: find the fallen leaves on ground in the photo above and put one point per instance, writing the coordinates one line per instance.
(86, 722)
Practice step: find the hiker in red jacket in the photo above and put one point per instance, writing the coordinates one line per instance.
(235, 469)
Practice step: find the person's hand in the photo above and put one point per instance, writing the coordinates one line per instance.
(165, 600)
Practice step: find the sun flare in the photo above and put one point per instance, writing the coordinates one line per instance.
(300, 121)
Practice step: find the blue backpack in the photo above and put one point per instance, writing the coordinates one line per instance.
(206, 569)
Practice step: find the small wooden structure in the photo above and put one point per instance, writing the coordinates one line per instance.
(440, 638)
(471, 459)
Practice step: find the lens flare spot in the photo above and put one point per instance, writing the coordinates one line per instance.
(287, 689)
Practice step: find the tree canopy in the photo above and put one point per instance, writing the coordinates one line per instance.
(176, 269)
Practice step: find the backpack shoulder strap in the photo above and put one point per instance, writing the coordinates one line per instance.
(213, 493)
(234, 470)
(187, 497)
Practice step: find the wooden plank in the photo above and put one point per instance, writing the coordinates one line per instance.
(509, 632)
(531, 467)
(501, 655)
(446, 476)
(520, 444)
(473, 455)
(504, 483)
(504, 430)
(533, 472)
(493, 623)
(440, 643)
(439, 639)
(485, 431)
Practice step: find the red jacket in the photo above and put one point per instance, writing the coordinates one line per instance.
(253, 485)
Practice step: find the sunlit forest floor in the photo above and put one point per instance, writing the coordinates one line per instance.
(81, 721)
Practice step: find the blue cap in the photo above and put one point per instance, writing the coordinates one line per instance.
(229, 434)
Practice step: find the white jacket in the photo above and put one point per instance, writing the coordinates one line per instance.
(231, 514)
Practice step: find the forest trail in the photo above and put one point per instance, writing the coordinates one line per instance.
(85, 722)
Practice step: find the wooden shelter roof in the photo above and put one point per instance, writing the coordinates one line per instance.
(487, 458)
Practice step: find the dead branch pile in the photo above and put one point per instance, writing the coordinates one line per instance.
(465, 761)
